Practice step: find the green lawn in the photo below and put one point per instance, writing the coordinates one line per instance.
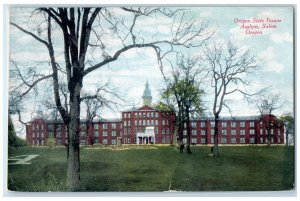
(249, 168)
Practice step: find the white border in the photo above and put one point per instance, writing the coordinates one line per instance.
(132, 196)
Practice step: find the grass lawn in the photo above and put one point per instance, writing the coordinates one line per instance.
(248, 168)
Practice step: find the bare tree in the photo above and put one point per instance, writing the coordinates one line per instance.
(267, 103)
(87, 30)
(105, 96)
(228, 67)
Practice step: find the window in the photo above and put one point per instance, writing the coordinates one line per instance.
(261, 140)
(202, 132)
(184, 140)
(42, 127)
(168, 131)
(224, 140)
(156, 122)
(152, 114)
(33, 127)
(224, 132)
(42, 142)
(38, 135)
(272, 140)
(114, 133)
(233, 140)
(156, 114)
(33, 135)
(194, 140)
(203, 141)
(194, 132)
(212, 140)
(83, 127)
(37, 142)
(104, 141)
(148, 122)
(148, 114)
(163, 131)
(42, 135)
(104, 126)
(128, 140)
(114, 141)
(125, 140)
(33, 142)
(96, 126)
(212, 131)
(252, 132)
(252, 140)
(135, 122)
(135, 114)
(58, 134)
(128, 123)
(128, 115)
(202, 124)
(168, 139)
(212, 124)
(82, 133)
(233, 124)
(242, 132)
(128, 131)
(140, 122)
(278, 131)
(125, 115)
(114, 126)
(272, 131)
(50, 127)
(96, 134)
(224, 124)
(125, 123)
(242, 124)
(242, 140)
(156, 130)
(96, 141)
(261, 131)
(251, 124)
(152, 122)
(194, 124)
(233, 132)
(104, 133)
(278, 140)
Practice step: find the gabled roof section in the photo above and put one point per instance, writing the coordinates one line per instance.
(143, 108)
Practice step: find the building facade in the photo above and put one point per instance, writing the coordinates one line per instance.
(232, 130)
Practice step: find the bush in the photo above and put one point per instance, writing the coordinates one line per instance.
(50, 142)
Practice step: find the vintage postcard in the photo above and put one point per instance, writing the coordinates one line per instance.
(155, 99)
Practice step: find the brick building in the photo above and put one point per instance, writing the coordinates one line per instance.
(233, 130)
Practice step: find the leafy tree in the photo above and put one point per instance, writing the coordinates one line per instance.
(184, 95)
(13, 140)
(87, 32)
(289, 128)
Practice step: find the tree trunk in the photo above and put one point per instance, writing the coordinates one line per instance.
(216, 138)
(286, 138)
(188, 148)
(73, 170)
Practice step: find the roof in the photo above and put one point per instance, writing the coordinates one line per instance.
(143, 108)
(228, 118)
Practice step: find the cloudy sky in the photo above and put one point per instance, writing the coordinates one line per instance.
(273, 48)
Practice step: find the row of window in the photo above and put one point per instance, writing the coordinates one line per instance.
(141, 114)
(231, 140)
(38, 135)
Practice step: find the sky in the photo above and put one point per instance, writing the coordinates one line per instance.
(272, 47)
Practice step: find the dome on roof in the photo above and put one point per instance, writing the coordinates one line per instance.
(147, 98)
